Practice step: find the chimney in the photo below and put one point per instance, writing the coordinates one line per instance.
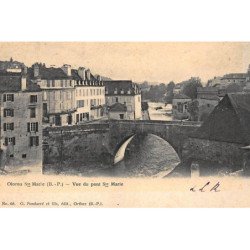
(24, 71)
(36, 70)
(88, 74)
(98, 78)
(67, 69)
(81, 73)
(23, 82)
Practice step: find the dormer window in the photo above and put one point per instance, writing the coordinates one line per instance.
(115, 91)
(129, 91)
(122, 91)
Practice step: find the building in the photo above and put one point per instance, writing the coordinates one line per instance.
(229, 79)
(229, 121)
(70, 96)
(124, 92)
(180, 106)
(117, 111)
(247, 88)
(12, 66)
(58, 92)
(89, 95)
(178, 88)
(20, 122)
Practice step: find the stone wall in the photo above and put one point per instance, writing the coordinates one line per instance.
(76, 146)
(214, 156)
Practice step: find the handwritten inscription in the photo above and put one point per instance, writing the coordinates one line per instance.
(208, 187)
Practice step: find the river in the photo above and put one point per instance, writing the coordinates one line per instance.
(147, 156)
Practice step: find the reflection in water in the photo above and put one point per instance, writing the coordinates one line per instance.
(145, 156)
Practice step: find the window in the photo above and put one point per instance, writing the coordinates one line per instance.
(80, 103)
(32, 126)
(53, 83)
(33, 98)
(77, 118)
(8, 97)
(8, 126)
(116, 99)
(24, 156)
(11, 156)
(33, 113)
(10, 141)
(34, 141)
(8, 112)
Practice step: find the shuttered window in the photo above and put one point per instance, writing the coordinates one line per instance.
(34, 141)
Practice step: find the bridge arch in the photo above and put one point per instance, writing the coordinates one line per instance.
(121, 147)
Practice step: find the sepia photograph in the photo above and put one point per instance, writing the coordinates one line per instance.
(129, 110)
(124, 124)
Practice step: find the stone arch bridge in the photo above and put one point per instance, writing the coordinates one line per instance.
(100, 142)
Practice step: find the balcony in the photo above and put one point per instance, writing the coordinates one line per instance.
(96, 107)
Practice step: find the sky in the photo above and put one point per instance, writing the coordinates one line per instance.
(137, 61)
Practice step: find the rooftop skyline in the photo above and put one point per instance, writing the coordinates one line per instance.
(150, 61)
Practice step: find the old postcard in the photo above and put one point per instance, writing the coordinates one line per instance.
(129, 124)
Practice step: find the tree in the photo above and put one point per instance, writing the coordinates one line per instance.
(193, 109)
(170, 92)
(170, 86)
(190, 87)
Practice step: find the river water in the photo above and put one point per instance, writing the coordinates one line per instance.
(147, 156)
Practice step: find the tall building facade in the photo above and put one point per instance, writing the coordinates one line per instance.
(20, 122)
(90, 95)
(127, 93)
(58, 93)
(70, 96)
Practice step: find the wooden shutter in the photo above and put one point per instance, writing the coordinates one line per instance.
(4, 97)
(37, 140)
(12, 126)
(4, 127)
(6, 141)
(28, 127)
(4, 112)
(36, 126)
(13, 140)
(12, 97)
(31, 141)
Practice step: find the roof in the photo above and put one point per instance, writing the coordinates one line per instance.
(49, 73)
(210, 97)
(207, 89)
(11, 82)
(77, 77)
(121, 87)
(181, 96)
(118, 107)
(53, 73)
(229, 121)
(235, 75)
